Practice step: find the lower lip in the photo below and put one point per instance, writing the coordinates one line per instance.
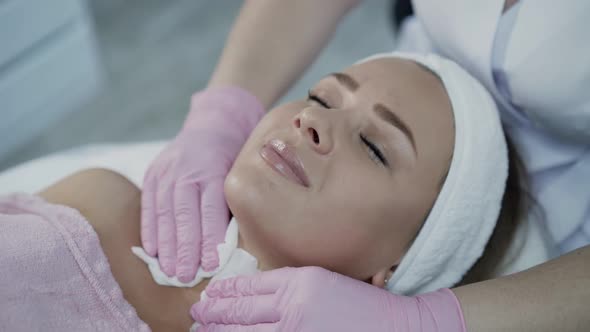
(277, 162)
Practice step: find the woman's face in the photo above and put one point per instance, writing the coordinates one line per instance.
(373, 145)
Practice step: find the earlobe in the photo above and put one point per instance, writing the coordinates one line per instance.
(380, 278)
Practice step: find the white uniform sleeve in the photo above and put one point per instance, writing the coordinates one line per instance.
(412, 37)
(548, 66)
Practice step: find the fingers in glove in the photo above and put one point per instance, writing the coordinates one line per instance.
(272, 327)
(237, 310)
(214, 220)
(166, 230)
(188, 232)
(149, 226)
(259, 284)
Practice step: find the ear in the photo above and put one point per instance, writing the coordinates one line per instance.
(379, 278)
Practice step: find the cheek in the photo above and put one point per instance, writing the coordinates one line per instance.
(368, 226)
(341, 229)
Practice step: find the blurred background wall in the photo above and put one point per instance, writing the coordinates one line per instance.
(76, 72)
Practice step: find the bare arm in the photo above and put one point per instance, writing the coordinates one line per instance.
(273, 42)
(554, 296)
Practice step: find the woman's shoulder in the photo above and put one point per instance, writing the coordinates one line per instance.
(112, 206)
(98, 193)
(108, 201)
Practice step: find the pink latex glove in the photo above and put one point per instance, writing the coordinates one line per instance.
(184, 212)
(313, 299)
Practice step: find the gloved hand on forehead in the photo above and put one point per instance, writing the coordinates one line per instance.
(313, 299)
(184, 212)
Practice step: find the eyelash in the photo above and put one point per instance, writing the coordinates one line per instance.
(375, 154)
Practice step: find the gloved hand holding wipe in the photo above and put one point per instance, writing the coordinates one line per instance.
(184, 213)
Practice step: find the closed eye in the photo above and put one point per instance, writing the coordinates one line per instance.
(374, 152)
(315, 98)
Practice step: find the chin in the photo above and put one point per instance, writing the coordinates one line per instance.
(244, 196)
(236, 200)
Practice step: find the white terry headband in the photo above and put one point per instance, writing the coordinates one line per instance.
(465, 212)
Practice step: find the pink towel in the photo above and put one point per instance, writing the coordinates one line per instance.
(54, 275)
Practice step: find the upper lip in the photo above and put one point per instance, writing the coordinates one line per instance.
(289, 154)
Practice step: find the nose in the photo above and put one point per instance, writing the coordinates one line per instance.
(316, 128)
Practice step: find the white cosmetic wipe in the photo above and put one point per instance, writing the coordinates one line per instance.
(233, 262)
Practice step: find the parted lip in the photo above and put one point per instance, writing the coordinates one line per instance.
(289, 155)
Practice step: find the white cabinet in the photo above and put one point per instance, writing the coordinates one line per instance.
(48, 65)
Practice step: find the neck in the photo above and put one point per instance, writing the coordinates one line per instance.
(251, 245)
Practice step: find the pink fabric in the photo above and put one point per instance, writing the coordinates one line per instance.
(54, 275)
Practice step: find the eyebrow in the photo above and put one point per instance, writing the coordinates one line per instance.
(383, 111)
(346, 80)
(391, 118)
